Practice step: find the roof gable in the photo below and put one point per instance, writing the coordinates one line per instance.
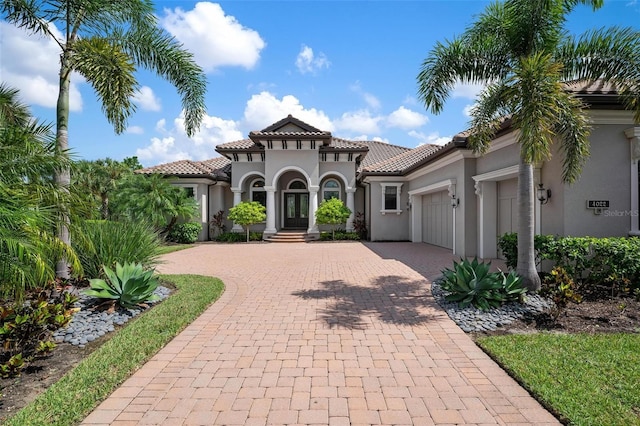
(290, 124)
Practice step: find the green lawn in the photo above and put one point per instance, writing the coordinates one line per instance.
(73, 397)
(585, 379)
(173, 247)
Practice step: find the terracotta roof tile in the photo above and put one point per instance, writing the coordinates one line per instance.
(403, 161)
(241, 145)
(215, 167)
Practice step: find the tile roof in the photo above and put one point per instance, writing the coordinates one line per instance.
(380, 151)
(594, 87)
(241, 145)
(403, 161)
(218, 167)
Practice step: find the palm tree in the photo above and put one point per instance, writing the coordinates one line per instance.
(29, 200)
(521, 52)
(104, 41)
(152, 198)
(97, 180)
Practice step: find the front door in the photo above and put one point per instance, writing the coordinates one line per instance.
(296, 210)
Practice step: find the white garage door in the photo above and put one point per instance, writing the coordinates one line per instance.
(437, 219)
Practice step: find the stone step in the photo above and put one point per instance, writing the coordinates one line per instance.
(289, 237)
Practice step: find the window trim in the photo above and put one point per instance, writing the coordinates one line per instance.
(292, 181)
(325, 189)
(193, 186)
(253, 189)
(398, 186)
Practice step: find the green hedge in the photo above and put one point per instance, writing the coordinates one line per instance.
(340, 236)
(613, 261)
(185, 233)
(238, 237)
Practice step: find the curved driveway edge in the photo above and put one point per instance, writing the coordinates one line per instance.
(319, 334)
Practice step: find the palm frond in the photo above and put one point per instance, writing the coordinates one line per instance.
(573, 131)
(110, 71)
(157, 51)
(491, 109)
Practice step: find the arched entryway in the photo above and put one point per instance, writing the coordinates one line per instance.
(296, 205)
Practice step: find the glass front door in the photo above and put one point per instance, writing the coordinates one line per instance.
(296, 210)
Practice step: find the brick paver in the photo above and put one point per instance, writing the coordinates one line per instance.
(319, 333)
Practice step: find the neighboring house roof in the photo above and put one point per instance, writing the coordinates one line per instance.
(402, 162)
(218, 168)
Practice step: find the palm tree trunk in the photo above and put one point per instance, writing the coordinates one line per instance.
(526, 266)
(63, 177)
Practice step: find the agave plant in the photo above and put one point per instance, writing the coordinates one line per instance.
(129, 285)
(472, 283)
(512, 286)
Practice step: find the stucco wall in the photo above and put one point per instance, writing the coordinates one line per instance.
(498, 159)
(606, 176)
(389, 226)
(239, 171)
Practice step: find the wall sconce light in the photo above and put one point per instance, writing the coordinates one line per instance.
(409, 205)
(543, 194)
(455, 201)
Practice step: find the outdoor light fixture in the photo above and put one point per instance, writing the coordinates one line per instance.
(455, 201)
(543, 194)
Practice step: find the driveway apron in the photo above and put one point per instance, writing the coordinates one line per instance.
(319, 334)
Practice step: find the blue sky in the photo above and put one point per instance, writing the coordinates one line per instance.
(349, 67)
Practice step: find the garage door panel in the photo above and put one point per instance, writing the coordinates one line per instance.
(437, 220)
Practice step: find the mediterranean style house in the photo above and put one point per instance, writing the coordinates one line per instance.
(447, 195)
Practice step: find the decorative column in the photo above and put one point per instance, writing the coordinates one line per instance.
(633, 134)
(271, 211)
(487, 222)
(313, 206)
(350, 206)
(237, 199)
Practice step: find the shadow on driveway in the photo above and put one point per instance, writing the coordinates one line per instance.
(391, 299)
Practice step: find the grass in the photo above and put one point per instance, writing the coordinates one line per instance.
(585, 379)
(73, 397)
(173, 247)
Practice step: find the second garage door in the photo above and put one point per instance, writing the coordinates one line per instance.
(437, 219)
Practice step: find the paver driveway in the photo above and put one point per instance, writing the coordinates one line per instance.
(320, 333)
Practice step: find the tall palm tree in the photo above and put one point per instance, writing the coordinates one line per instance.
(522, 53)
(29, 200)
(105, 41)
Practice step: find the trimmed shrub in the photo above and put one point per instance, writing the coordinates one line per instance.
(185, 233)
(103, 242)
(339, 235)
(613, 262)
(236, 237)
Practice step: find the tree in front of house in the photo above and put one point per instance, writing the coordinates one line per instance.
(247, 213)
(105, 41)
(154, 200)
(521, 51)
(332, 212)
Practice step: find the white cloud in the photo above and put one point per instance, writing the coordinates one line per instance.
(146, 99)
(34, 66)
(431, 138)
(371, 100)
(265, 109)
(175, 145)
(215, 39)
(466, 111)
(135, 130)
(160, 151)
(359, 121)
(467, 90)
(308, 62)
(404, 118)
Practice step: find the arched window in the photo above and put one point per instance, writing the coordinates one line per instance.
(257, 192)
(297, 184)
(331, 189)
